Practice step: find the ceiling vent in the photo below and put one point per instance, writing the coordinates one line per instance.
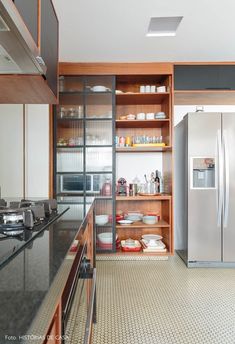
(163, 26)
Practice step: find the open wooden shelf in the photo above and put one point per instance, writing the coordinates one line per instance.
(140, 224)
(156, 123)
(142, 149)
(141, 98)
(144, 198)
(119, 252)
(204, 97)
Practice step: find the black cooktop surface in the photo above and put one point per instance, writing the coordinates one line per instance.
(14, 241)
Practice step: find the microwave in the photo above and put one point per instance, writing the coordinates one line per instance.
(74, 183)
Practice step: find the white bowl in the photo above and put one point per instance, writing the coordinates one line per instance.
(105, 238)
(150, 220)
(101, 220)
(152, 237)
(125, 222)
(99, 88)
(133, 218)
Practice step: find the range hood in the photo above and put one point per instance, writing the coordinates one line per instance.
(19, 53)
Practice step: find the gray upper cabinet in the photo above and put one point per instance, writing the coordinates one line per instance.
(29, 12)
(204, 77)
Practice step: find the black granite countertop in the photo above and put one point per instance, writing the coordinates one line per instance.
(27, 278)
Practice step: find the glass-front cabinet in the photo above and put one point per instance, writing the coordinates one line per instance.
(84, 151)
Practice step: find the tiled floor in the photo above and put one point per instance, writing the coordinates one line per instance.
(163, 302)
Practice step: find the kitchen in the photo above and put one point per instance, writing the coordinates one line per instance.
(112, 129)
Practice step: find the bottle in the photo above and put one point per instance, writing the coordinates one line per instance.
(157, 182)
(161, 183)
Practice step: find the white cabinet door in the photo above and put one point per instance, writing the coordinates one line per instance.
(11, 150)
(37, 151)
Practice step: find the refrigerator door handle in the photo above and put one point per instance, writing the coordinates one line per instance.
(226, 180)
(219, 186)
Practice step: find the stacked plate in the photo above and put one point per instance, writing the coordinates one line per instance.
(153, 243)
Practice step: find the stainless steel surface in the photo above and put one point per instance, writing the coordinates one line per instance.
(219, 185)
(19, 52)
(228, 124)
(226, 179)
(204, 236)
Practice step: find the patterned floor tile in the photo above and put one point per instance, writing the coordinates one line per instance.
(162, 302)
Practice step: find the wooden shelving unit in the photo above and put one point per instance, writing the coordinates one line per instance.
(160, 223)
(133, 102)
(156, 123)
(141, 98)
(142, 149)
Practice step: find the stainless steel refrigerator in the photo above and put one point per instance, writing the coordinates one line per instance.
(205, 189)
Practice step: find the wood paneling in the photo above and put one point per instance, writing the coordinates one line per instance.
(103, 68)
(204, 97)
(25, 89)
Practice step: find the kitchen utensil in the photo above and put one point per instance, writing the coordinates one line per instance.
(134, 248)
(129, 242)
(161, 89)
(106, 237)
(152, 236)
(101, 220)
(149, 220)
(122, 187)
(147, 89)
(107, 188)
(134, 217)
(131, 117)
(99, 88)
(128, 141)
(160, 115)
(150, 115)
(125, 222)
(140, 116)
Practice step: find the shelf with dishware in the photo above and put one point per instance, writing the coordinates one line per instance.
(137, 216)
(156, 123)
(144, 125)
(160, 223)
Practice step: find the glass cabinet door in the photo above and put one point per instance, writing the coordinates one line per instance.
(84, 154)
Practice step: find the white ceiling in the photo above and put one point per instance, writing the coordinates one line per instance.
(114, 30)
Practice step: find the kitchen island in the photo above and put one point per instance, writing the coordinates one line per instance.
(34, 282)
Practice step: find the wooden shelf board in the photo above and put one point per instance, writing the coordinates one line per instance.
(139, 224)
(204, 97)
(143, 198)
(121, 253)
(141, 98)
(157, 123)
(142, 149)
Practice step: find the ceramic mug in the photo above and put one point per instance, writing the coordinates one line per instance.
(140, 116)
(147, 89)
(142, 89)
(161, 89)
(150, 115)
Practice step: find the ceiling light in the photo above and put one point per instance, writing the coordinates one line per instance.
(163, 26)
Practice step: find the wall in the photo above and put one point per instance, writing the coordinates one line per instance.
(36, 165)
(179, 112)
(130, 165)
